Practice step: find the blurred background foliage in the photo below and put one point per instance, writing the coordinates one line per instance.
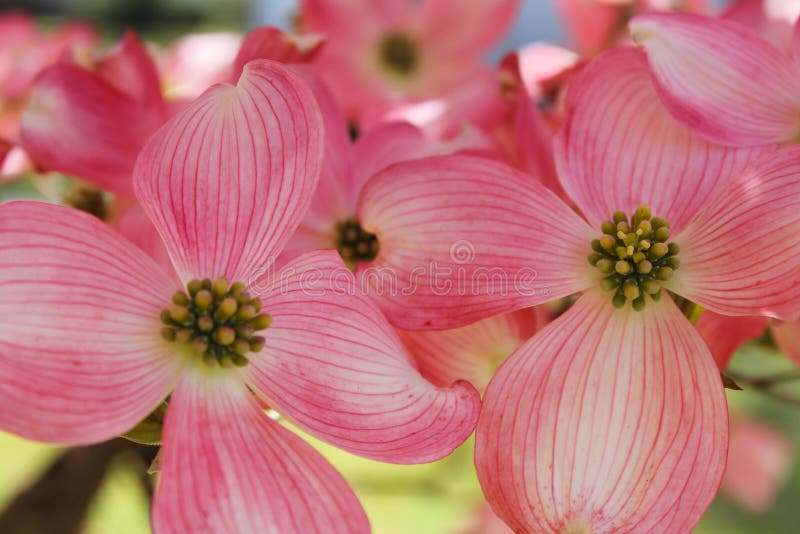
(439, 498)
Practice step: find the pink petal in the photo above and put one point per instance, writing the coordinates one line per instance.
(74, 119)
(467, 26)
(720, 79)
(759, 461)
(771, 19)
(592, 25)
(462, 238)
(729, 251)
(267, 42)
(606, 421)
(333, 365)
(134, 225)
(227, 181)
(472, 352)
(533, 140)
(130, 69)
(81, 358)
(787, 338)
(620, 148)
(226, 467)
(724, 334)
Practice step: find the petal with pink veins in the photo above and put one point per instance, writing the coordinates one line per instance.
(81, 357)
(720, 79)
(605, 421)
(226, 467)
(724, 334)
(736, 254)
(227, 181)
(472, 352)
(462, 238)
(334, 366)
(620, 148)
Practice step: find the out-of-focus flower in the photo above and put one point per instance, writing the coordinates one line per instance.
(630, 397)
(759, 460)
(24, 51)
(722, 79)
(380, 53)
(89, 118)
(195, 62)
(106, 333)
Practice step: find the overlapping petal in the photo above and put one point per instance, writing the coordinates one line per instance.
(228, 180)
(472, 352)
(724, 334)
(226, 467)
(462, 238)
(81, 358)
(737, 254)
(606, 421)
(333, 365)
(720, 79)
(620, 148)
(268, 42)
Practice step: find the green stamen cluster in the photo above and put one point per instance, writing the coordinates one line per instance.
(399, 54)
(217, 320)
(354, 243)
(635, 256)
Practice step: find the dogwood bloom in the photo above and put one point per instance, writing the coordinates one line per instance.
(380, 53)
(95, 334)
(613, 417)
(722, 79)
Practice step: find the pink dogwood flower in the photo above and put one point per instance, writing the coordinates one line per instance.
(95, 334)
(378, 54)
(722, 79)
(612, 418)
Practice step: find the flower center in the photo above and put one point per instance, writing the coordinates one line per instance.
(217, 320)
(399, 54)
(635, 257)
(354, 243)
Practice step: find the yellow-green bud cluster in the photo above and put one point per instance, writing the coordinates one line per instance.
(217, 320)
(354, 243)
(635, 256)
